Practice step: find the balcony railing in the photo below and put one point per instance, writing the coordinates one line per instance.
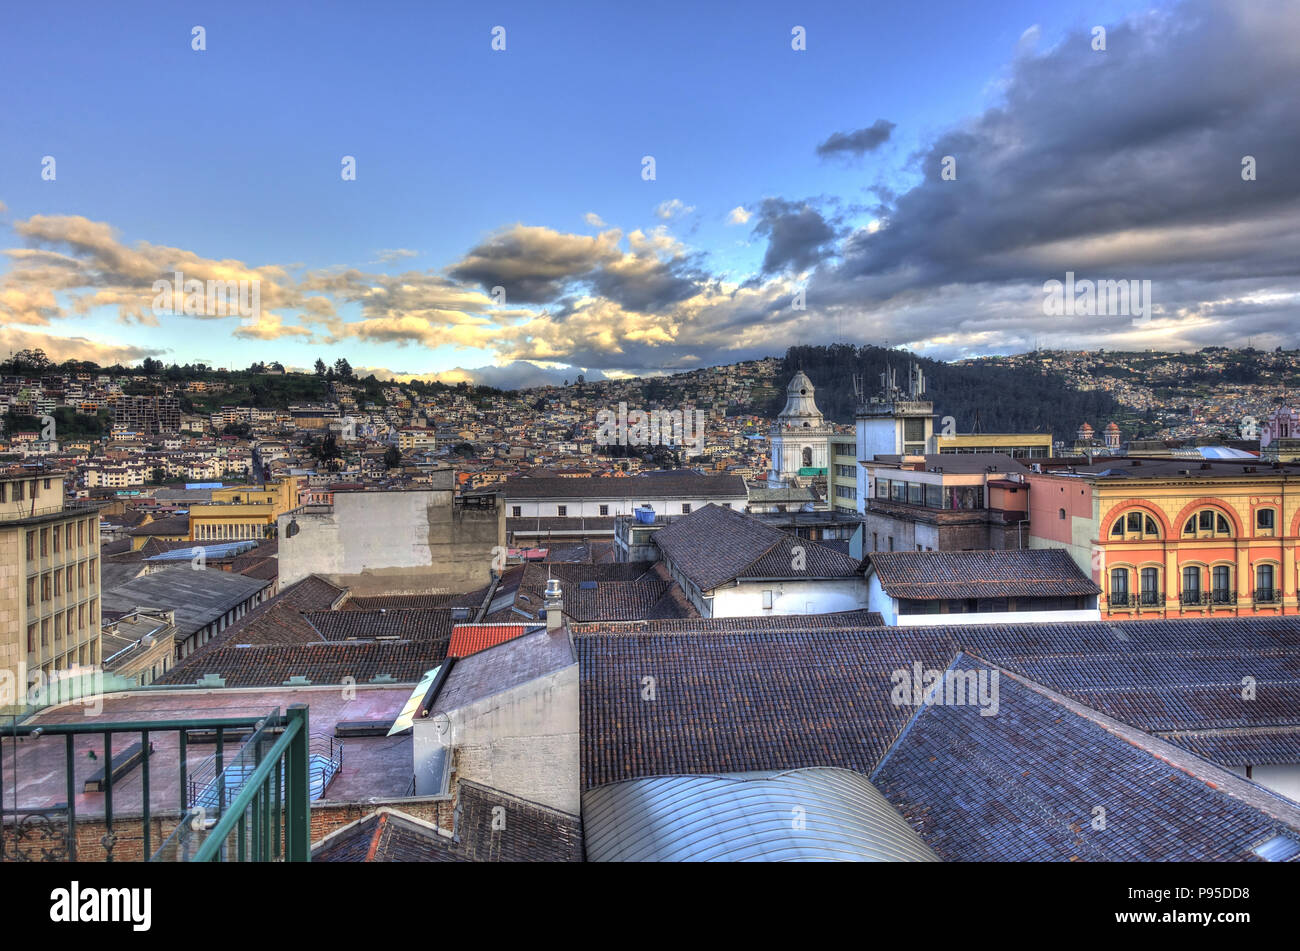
(261, 811)
(1147, 599)
(1267, 595)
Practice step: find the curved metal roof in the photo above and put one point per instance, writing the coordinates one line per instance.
(804, 815)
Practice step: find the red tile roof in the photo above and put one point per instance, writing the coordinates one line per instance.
(469, 639)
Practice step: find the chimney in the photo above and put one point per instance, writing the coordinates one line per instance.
(554, 604)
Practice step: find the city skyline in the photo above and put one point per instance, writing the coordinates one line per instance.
(511, 236)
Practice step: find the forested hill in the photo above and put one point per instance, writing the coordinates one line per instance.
(1008, 400)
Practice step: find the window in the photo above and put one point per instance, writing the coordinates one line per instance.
(81, 534)
(1191, 585)
(1135, 525)
(516, 511)
(55, 531)
(45, 587)
(767, 600)
(1264, 590)
(18, 491)
(1119, 586)
(891, 542)
(604, 510)
(1150, 585)
(561, 510)
(686, 508)
(1264, 519)
(31, 545)
(45, 542)
(1060, 513)
(1222, 581)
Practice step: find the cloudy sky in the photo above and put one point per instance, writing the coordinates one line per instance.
(503, 226)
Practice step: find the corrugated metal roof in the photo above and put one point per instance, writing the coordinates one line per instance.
(805, 815)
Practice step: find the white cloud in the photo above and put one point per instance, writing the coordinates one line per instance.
(739, 216)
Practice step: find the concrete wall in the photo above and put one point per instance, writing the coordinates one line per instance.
(523, 741)
(393, 542)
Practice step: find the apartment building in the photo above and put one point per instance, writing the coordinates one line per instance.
(49, 578)
(1176, 538)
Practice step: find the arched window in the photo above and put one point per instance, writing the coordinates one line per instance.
(807, 457)
(1060, 513)
(1135, 525)
(1208, 523)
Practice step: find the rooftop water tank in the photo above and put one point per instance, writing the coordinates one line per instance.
(645, 515)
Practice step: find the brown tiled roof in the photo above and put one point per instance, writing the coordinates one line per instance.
(321, 662)
(530, 833)
(397, 601)
(700, 625)
(427, 625)
(714, 545)
(1026, 573)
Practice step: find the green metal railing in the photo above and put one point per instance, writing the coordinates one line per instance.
(258, 807)
(266, 805)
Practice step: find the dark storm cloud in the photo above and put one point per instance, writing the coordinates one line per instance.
(858, 142)
(797, 235)
(1093, 150)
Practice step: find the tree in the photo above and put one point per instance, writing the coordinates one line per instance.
(342, 369)
(320, 367)
(149, 366)
(392, 457)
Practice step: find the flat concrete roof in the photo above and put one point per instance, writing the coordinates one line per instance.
(372, 766)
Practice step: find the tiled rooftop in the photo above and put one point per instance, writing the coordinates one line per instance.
(1021, 573)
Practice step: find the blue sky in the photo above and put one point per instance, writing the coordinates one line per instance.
(233, 154)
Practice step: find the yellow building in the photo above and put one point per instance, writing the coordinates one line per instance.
(242, 512)
(1176, 538)
(49, 582)
(1016, 445)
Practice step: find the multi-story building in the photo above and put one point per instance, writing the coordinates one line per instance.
(242, 512)
(843, 475)
(1176, 538)
(944, 503)
(150, 415)
(49, 580)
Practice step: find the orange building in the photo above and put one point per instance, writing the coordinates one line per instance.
(1176, 537)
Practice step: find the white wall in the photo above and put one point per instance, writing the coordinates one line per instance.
(790, 597)
(997, 617)
(1283, 779)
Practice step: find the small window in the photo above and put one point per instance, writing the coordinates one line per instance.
(1190, 527)
(604, 510)
(1117, 529)
(686, 508)
(1134, 522)
(1150, 528)
(1207, 521)
(516, 511)
(1060, 513)
(767, 600)
(1221, 525)
(561, 510)
(1264, 519)
(1119, 584)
